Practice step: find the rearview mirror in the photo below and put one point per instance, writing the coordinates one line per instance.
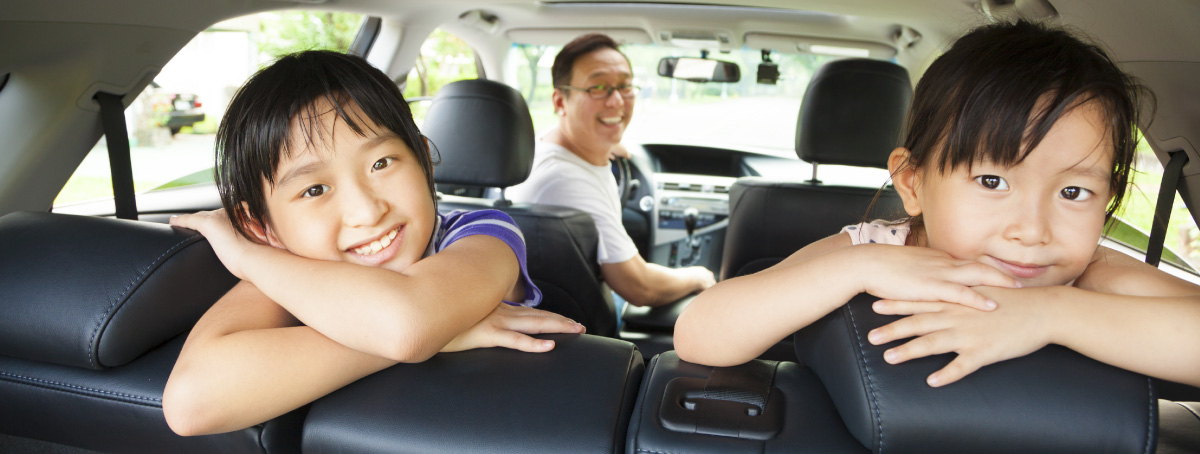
(699, 69)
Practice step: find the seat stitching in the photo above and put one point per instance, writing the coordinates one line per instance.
(1149, 412)
(870, 384)
(124, 294)
(81, 388)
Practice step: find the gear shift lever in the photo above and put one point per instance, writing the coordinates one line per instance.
(690, 217)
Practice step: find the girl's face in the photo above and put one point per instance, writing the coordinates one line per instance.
(350, 198)
(1038, 221)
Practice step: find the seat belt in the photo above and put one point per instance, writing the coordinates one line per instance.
(1162, 209)
(112, 117)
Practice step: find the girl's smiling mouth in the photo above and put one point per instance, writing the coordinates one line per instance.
(379, 250)
(1020, 270)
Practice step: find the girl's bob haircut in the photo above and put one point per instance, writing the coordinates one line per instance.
(996, 93)
(256, 129)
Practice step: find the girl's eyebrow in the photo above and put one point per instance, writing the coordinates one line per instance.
(1091, 171)
(298, 172)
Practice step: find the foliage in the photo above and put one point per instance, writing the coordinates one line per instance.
(285, 32)
(444, 58)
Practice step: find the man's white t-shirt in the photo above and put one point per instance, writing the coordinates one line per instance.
(560, 177)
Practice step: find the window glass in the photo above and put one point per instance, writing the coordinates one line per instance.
(743, 114)
(1183, 238)
(444, 58)
(172, 123)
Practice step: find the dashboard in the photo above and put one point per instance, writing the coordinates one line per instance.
(680, 185)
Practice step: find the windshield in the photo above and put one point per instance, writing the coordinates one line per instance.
(741, 115)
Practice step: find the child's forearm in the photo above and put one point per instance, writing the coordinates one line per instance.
(739, 319)
(245, 378)
(405, 316)
(1155, 336)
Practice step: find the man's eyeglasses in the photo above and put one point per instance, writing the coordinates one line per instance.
(604, 91)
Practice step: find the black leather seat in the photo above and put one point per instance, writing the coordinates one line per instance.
(484, 134)
(851, 115)
(92, 312)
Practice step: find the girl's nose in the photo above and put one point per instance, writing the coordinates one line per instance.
(361, 207)
(1029, 223)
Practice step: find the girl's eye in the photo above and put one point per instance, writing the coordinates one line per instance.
(1075, 193)
(992, 182)
(315, 191)
(382, 164)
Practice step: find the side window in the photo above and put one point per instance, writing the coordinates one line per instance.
(173, 122)
(1182, 245)
(444, 58)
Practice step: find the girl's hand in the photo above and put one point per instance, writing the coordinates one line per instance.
(508, 326)
(216, 227)
(910, 273)
(1016, 328)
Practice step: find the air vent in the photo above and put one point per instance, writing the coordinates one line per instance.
(695, 187)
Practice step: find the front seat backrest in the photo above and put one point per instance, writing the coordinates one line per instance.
(484, 134)
(851, 115)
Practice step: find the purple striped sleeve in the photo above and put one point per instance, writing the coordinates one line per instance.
(460, 224)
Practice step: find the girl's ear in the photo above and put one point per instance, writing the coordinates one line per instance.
(262, 231)
(906, 179)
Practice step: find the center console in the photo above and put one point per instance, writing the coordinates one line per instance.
(691, 213)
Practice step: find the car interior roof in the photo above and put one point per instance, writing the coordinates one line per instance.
(130, 41)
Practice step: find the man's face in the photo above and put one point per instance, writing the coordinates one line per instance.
(595, 125)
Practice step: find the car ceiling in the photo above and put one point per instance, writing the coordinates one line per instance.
(60, 51)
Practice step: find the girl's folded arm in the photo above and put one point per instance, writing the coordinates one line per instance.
(405, 316)
(248, 360)
(1133, 316)
(740, 318)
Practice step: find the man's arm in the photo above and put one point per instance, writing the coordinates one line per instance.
(651, 284)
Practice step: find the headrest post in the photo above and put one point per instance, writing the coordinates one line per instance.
(814, 179)
(502, 201)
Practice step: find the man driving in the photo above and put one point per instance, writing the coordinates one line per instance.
(593, 99)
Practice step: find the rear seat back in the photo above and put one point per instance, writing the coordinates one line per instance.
(93, 313)
(484, 135)
(851, 115)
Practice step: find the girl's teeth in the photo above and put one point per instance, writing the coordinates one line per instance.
(377, 245)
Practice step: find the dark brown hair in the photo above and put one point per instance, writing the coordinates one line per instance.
(996, 93)
(564, 62)
(254, 133)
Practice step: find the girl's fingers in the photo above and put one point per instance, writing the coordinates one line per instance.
(976, 273)
(533, 321)
(522, 342)
(952, 293)
(913, 326)
(960, 367)
(897, 307)
(926, 345)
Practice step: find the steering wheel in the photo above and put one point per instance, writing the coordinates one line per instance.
(624, 175)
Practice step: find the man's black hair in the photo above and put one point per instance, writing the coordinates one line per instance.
(564, 62)
(257, 128)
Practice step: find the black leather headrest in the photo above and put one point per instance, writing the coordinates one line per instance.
(484, 133)
(853, 112)
(1053, 400)
(96, 292)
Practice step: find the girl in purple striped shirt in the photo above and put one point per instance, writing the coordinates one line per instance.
(330, 220)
